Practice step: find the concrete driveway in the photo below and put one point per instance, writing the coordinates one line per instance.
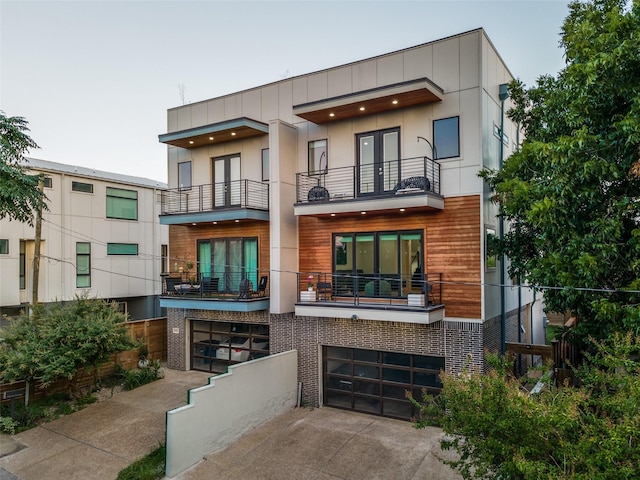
(324, 444)
(99, 441)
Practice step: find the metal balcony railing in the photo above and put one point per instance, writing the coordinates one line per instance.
(211, 197)
(405, 176)
(371, 289)
(220, 286)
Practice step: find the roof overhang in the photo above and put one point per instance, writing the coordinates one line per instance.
(215, 133)
(367, 102)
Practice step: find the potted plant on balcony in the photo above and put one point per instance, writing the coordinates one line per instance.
(310, 283)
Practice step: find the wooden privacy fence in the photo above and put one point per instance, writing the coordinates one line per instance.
(152, 332)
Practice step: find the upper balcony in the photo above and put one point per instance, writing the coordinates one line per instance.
(234, 200)
(390, 185)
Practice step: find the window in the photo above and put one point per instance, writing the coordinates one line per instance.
(83, 264)
(122, 249)
(318, 157)
(23, 264)
(378, 263)
(4, 246)
(265, 164)
(230, 260)
(164, 253)
(446, 136)
(48, 182)
(122, 204)
(184, 175)
(490, 248)
(82, 187)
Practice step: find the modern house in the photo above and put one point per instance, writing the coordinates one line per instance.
(101, 235)
(340, 213)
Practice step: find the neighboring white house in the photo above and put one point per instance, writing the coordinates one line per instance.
(101, 235)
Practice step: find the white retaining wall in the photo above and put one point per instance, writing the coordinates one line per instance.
(232, 404)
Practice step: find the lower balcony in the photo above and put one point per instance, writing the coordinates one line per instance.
(371, 297)
(234, 292)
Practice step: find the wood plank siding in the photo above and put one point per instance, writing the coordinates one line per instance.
(183, 240)
(452, 244)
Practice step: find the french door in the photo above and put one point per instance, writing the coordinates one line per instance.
(378, 161)
(226, 181)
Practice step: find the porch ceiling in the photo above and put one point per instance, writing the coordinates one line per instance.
(369, 102)
(215, 133)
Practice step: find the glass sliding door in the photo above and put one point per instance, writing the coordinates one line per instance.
(229, 260)
(378, 161)
(226, 181)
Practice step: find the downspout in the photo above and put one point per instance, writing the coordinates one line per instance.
(503, 94)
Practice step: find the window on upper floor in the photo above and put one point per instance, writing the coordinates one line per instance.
(164, 258)
(47, 182)
(184, 175)
(23, 264)
(318, 162)
(446, 137)
(265, 164)
(82, 187)
(83, 264)
(230, 260)
(122, 204)
(4, 246)
(122, 249)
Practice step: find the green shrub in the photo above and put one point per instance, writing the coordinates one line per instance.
(8, 425)
(150, 467)
(140, 376)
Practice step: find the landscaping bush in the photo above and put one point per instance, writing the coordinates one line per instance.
(140, 376)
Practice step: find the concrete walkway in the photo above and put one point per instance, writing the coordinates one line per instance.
(99, 441)
(314, 444)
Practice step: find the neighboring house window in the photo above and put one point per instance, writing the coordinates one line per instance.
(490, 257)
(318, 157)
(4, 246)
(82, 187)
(23, 264)
(83, 264)
(265, 164)
(184, 175)
(378, 263)
(446, 137)
(122, 249)
(230, 260)
(48, 182)
(122, 204)
(164, 253)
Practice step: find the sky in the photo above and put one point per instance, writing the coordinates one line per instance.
(94, 79)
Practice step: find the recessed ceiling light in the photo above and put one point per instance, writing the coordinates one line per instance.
(193, 223)
(215, 223)
(190, 142)
(210, 138)
(362, 109)
(237, 221)
(402, 209)
(363, 213)
(332, 114)
(395, 102)
(233, 134)
(333, 214)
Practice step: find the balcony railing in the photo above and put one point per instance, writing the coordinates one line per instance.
(371, 290)
(223, 286)
(211, 197)
(405, 176)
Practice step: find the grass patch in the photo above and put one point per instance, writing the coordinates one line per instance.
(150, 467)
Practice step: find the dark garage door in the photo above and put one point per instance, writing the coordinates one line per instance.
(375, 382)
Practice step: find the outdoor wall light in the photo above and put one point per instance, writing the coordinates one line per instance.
(354, 317)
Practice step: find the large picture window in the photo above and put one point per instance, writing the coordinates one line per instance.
(378, 264)
(318, 162)
(446, 137)
(83, 264)
(122, 204)
(230, 260)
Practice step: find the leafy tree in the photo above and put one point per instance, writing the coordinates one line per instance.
(499, 430)
(54, 343)
(571, 194)
(20, 196)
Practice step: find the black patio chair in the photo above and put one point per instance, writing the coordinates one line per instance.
(262, 287)
(324, 291)
(244, 291)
